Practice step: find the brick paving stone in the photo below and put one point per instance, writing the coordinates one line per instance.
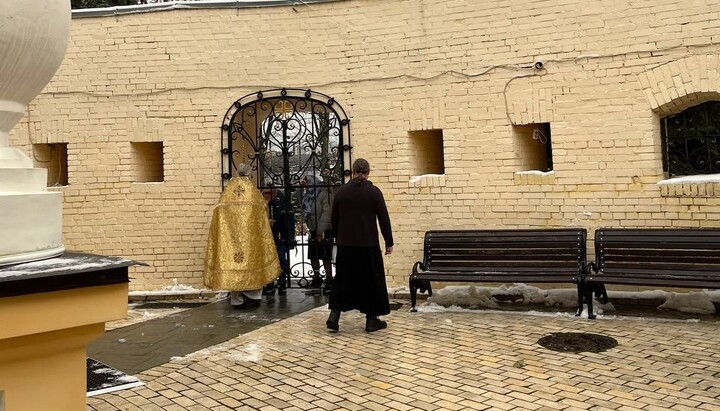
(500, 405)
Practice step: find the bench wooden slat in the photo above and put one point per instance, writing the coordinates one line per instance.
(655, 281)
(452, 268)
(658, 271)
(507, 242)
(644, 233)
(656, 255)
(469, 239)
(489, 256)
(665, 267)
(510, 262)
(504, 249)
(500, 252)
(684, 244)
(505, 278)
(511, 232)
(500, 257)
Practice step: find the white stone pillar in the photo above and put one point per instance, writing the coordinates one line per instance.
(33, 41)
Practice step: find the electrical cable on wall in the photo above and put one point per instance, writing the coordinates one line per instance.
(459, 74)
(539, 135)
(32, 143)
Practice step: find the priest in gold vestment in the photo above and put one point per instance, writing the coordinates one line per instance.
(241, 256)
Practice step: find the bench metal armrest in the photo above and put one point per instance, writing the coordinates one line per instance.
(418, 265)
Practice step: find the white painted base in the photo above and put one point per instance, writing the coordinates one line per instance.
(31, 226)
(23, 180)
(13, 158)
(33, 256)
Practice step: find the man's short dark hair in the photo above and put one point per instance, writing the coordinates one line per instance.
(361, 166)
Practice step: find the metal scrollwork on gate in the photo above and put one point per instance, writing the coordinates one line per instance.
(297, 143)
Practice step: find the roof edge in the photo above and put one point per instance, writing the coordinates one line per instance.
(177, 5)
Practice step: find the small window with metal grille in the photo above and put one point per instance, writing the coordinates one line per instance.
(52, 157)
(691, 141)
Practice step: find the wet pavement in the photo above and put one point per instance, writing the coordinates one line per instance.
(145, 345)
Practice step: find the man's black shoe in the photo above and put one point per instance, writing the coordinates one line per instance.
(327, 287)
(316, 282)
(333, 321)
(374, 324)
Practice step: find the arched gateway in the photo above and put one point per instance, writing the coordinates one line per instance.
(286, 135)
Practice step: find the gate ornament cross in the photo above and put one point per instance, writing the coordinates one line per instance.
(284, 109)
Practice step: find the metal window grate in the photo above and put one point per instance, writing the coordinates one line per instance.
(691, 141)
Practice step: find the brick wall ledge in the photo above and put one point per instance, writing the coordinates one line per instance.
(691, 186)
(427, 180)
(533, 177)
(176, 5)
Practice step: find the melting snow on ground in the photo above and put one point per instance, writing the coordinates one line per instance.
(173, 289)
(458, 298)
(230, 351)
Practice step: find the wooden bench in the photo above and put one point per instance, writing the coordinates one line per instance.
(684, 258)
(501, 256)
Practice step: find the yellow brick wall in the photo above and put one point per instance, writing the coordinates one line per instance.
(612, 69)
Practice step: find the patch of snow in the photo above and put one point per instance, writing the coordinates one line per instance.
(178, 287)
(693, 303)
(249, 353)
(468, 296)
(60, 263)
(703, 178)
(429, 307)
(535, 172)
(473, 296)
(173, 289)
(415, 179)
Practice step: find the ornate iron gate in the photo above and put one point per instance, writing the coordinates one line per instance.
(297, 143)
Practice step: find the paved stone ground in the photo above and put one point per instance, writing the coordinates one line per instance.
(479, 360)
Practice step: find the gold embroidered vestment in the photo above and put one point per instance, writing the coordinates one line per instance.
(241, 253)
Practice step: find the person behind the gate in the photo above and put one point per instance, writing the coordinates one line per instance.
(283, 230)
(240, 254)
(316, 210)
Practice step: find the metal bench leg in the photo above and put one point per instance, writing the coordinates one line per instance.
(413, 295)
(580, 292)
(426, 286)
(589, 299)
